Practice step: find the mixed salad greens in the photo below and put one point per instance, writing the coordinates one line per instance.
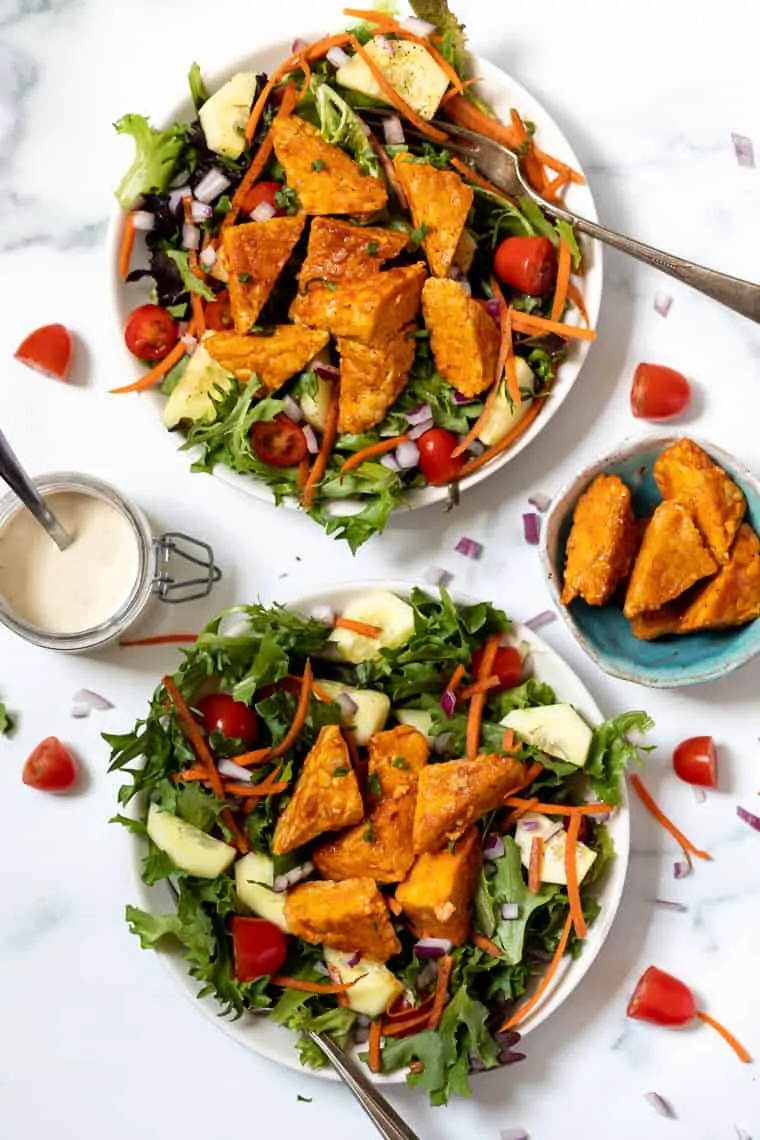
(468, 389)
(236, 738)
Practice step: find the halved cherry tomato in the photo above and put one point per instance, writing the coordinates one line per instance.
(261, 192)
(48, 350)
(507, 666)
(259, 947)
(657, 392)
(51, 767)
(696, 761)
(220, 713)
(279, 442)
(661, 999)
(218, 313)
(437, 463)
(528, 264)
(150, 332)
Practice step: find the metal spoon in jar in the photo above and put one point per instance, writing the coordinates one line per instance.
(19, 482)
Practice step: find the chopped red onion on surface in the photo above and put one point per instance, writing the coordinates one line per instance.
(348, 705)
(668, 904)
(458, 398)
(389, 460)
(700, 795)
(748, 817)
(419, 414)
(540, 501)
(393, 131)
(441, 742)
(323, 613)
(191, 236)
(327, 371)
(662, 303)
(513, 1134)
(419, 430)
(493, 848)
(432, 947)
(190, 343)
(741, 1133)
(354, 959)
(660, 1105)
(85, 702)
(176, 196)
(493, 306)
(200, 212)
(437, 576)
(407, 455)
(531, 528)
(469, 548)
(264, 212)
(233, 771)
(546, 617)
(510, 911)
(292, 409)
(743, 149)
(448, 703)
(681, 869)
(418, 26)
(337, 57)
(208, 257)
(143, 220)
(312, 443)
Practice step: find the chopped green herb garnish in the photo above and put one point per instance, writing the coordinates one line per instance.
(340, 771)
(244, 278)
(369, 832)
(372, 248)
(305, 1099)
(400, 762)
(318, 165)
(374, 785)
(7, 722)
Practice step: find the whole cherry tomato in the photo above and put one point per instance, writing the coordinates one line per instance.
(661, 999)
(437, 463)
(48, 350)
(218, 712)
(51, 767)
(279, 442)
(657, 392)
(259, 948)
(696, 761)
(507, 666)
(528, 264)
(150, 332)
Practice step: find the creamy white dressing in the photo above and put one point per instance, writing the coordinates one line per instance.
(76, 589)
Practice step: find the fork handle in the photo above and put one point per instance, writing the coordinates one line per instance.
(741, 296)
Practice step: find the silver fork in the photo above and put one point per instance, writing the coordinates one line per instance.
(502, 167)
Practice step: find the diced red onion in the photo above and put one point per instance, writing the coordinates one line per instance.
(419, 430)
(85, 701)
(419, 414)
(748, 817)
(510, 911)
(190, 343)
(338, 57)
(354, 959)
(529, 824)
(143, 220)
(348, 705)
(508, 1038)
(427, 974)
(363, 126)
(448, 703)
(363, 1021)
(681, 869)
(531, 528)
(407, 455)
(700, 795)
(469, 548)
(662, 303)
(292, 409)
(200, 212)
(297, 46)
(176, 196)
(668, 904)
(208, 257)
(211, 185)
(540, 501)
(191, 236)
(389, 460)
(233, 771)
(432, 947)
(182, 327)
(741, 1133)
(437, 576)
(418, 26)
(441, 742)
(455, 273)
(283, 883)
(465, 285)
(321, 968)
(360, 1034)
(323, 613)
(476, 448)
(493, 306)
(546, 617)
(327, 371)
(743, 149)
(493, 848)
(659, 1104)
(458, 398)
(393, 131)
(312, 443)
(264, 212)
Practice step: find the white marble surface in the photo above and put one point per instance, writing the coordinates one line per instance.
(95, 1041)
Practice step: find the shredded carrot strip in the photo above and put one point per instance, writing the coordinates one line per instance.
(389, 171)
(477, 704)
(506, 357)
(394, 906)
(418, 1020)
(259, 790)
(467, 115)
(562, 809)
(304, 63)
(545, 982)
(163, 639)
(196, 302)
(571, 874)
(199, 746)
(191, 775)
(652, 807)
(360, 627)
(528, 323)
(127, 245)
(406, 1011)
(531, 774)
(372, 452)
(391, 94)
(343, 999)
(512, 818)
(559, 167)
(155, 373)
(375, 1037)
(388, 24)
(456, 679)
(474, 431)
(287, 983)
(479, 687)
(563, 280)
(465, 84)
(576, 297)
(302, 710)
(535, 864)
(320, 693)
(511, 437)
(262, 157)
(328, 439)
(250, 758)
(486, 945)
(445, 966)
(553, 189)
(477, 178)
(303, 473)
(737, 1047)
(508, 744)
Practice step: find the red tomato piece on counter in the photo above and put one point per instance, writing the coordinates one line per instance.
(528, 264)
(48, 350)
(696, 761)
(279, 442)
(150, 333)
(220, 713)
(259, 948)
(51, 767)
(437, 463)
(507, 666)
(661, 999)
(658, 392)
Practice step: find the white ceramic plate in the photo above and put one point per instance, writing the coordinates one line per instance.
(501, 92)
(260, 1035)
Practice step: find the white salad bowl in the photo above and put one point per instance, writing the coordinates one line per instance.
(260, 1035)
(501, 92)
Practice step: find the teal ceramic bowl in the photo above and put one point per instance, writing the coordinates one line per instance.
(602, 631)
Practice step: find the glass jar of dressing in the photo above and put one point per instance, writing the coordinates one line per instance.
(86, 596)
